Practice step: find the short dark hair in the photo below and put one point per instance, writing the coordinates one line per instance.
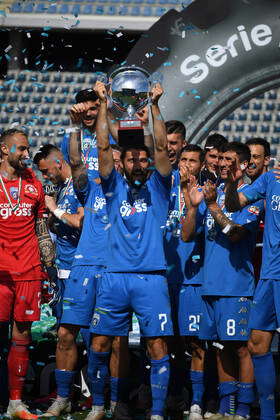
(215, 141)
(86, 95)
(241, 149)
(117, 147)
(44, 151)
(193, 148)
(175, 127)
(10, 132)
(136, 147)
(261, 142)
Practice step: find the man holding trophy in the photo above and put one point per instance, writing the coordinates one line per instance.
(137, 205)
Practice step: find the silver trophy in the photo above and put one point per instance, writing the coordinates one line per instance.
(130, 88)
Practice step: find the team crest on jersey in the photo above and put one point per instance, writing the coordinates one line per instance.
(254, 210)
(30, 189)
(95, 319)
(14, 192)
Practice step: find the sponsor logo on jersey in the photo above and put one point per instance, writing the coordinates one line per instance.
(95, 319)
(99, 203)
(14, 192)
(30, 189)
(254, 210)
(275, 202)
(25, 209)
(139, 206)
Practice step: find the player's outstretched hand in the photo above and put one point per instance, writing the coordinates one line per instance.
(209, 192)
(195, 193)
(100, 90)
(155, 93)
(235, 173)
(143, 115)
(50, 203)
(77, 112)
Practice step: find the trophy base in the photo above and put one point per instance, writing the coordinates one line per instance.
(130, 133)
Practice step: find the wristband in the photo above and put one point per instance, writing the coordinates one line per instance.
(226, 228)
(147, 131)
(58, 213)
(73, 129)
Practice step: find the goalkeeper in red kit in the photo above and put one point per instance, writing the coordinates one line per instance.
(25, 245)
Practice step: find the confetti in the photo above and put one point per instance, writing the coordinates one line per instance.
(167, 64)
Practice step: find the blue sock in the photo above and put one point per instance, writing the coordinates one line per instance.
(264, 370)
(98, 374)
(159, 384)
(197, 381)
(64, 379)
(245, 397)
(227, 393)
(119, 389)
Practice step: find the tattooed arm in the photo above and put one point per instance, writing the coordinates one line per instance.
(78, 168)
(232, 230)
(45, 243)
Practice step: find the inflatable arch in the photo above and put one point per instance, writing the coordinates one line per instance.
(214, 56)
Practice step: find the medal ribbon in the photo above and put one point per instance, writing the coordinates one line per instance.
(16, 206)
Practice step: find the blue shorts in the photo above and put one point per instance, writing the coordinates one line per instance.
(225, 318)
(190, 309)
(79, 295)
(120, 294)
(265, 312)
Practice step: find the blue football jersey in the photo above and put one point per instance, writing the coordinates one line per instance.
(267, 186)
(88, 149)
(67, 237)
(137, 218)
(184, 259)
(228, 269)
(92, 247)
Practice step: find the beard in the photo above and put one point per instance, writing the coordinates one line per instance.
(137, 178)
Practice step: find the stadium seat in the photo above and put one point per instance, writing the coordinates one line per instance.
(28, 8)
(56, 111)
(21, 77)
(239, 127)
(255, 117)
(242, 117)
(25, 98)
(252, 128)
(146, 11)
(135, 11)
(275, 140)
(245, 106)
(257, 106)
(16, 7)
(265, 128)
(159, 11)
(267, 116)
(111, 10)
(270, 106)
(64, 9)
(76, 10)
(52, 8)
(87, 9)
(61, 100)
(45, 78)
(41, 8)
(99, 10)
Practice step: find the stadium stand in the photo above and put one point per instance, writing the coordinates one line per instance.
(39, 102)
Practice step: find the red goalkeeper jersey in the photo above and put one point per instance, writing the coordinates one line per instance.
(21, 203)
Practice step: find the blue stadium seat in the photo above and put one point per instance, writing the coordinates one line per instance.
(21, 108)
(261, 96)
(135, 11)
(76, 10)
(28, 88)
(33, 109)
(25, 98)
(273, 152)
(64, 89)
(65, 121)
(236, 138)
(69, 79)
(80, 79)
(45, 110)
(159, 11)
(257, 106)
(146, 11)
(242, 117)
(57, 78)
(265, 128)
(252, 128)
(16, 7)
(276, 129)
(2, 97)
(275, 140)
(52, 8)
(37, 99)
(45, 78)
(48, 99)
(123, 10)
(41, 8)
(16, 119)
(4, 120)
(21, 77)
(267, 117)
(227, 127)
(239, 128)
(99, 10)
(87, 9)
(53, 88)
(61, 100)
(41, 89)
(245, 106)
(13, 98)
(255, 117)
(270, 106)
(64, 9)
(272, 95)
(17, 88)
(111, 10)
(57, 111)
(28, 8)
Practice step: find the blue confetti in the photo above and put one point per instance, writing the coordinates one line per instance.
(181, 94)
(167, 64)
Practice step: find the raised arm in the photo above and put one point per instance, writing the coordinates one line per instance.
(46, 246)
(78, 168)
(193, 196)
(105, 154)
(75, 220)
(233, 231)
(162, 162)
